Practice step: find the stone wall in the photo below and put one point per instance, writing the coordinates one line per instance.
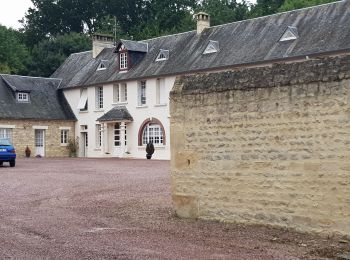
(23, 135)
(267, 145)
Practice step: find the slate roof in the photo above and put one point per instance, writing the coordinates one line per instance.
(119, 113)
(46, 101)
(321, 29)
(134, 46)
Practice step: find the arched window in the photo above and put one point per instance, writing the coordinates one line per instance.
(152, 131)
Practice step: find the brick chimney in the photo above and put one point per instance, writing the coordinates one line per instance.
(203, 21)
(99, 42)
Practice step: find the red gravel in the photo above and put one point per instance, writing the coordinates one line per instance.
(121, 209)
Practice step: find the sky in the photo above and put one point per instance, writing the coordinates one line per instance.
(13, 10)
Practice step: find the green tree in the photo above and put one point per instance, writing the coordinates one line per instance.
(13, 53)
(225, 11)
(297, 4)
(266, 7)
(49, 54)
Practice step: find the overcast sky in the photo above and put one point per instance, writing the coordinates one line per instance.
(13, 10)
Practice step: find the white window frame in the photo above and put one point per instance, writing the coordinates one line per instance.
(99, 97)
(102, 66)
(83, 102)
(23, 97)
(161, 92)
(64, 136)
(212, 47)
(163, 55)
(98, 136)
(6, 133)
(120, 93)
(142, 93)
(123, 60)
(153, 132)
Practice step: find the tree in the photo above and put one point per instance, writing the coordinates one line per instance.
(266, 7)
(13, 53)
(49, 54)
(225, 11)
(297, 4)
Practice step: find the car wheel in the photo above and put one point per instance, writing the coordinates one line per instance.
(13, 163)
(1, 163)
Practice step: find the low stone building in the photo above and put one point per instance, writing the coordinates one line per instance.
(35, 114)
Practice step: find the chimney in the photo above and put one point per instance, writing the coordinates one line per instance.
(203, 21)
(99, 42)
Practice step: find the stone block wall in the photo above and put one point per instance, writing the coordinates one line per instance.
(267, 145)
(23, 135)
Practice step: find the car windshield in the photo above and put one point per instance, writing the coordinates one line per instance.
(5, 142)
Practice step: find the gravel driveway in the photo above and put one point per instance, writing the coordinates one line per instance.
(121, 209)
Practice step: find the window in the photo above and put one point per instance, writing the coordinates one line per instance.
(117, 134)
(160, 92)
(6, 133)
(98, 136)
(22, 97)
(163, 55)
(212, 47)
(102, 66)
(291, 33)
(83, 102)
(123, 60)
(120, 93)
(99, 97)
(152, 133)
(142, 93)
(64, 137)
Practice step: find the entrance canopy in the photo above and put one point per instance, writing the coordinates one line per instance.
(119, 113)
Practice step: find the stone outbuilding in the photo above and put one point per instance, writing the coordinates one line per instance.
(35, 113)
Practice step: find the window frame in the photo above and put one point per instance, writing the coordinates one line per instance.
(23, 97)
(98, 136)
(142, 93)
(99, 98)
(64, 137)
(145, 125)
(6, 133)
(120, 93)
(123, 60)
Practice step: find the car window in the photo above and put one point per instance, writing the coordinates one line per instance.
(5, 142)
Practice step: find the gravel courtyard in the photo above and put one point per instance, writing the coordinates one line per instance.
(121, 209)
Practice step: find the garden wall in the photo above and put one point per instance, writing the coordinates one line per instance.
(267, 145)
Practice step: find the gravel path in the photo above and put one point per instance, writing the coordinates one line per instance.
(121, 209)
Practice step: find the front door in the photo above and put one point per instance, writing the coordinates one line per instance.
(118, 151)
(39, 142)
(85, 144)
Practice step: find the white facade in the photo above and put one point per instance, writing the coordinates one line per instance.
(111, 143)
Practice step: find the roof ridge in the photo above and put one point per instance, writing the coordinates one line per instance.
(291, 11)
(13, 75)
(169, 35)
(74, 53)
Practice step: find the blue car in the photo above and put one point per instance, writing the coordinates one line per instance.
(7, 152)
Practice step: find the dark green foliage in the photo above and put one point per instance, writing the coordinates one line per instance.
(297, 4)
(14, 54)
(49, 54)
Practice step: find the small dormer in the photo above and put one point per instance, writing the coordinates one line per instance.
(102, 65)
(163, 55)
(22, 97)
(212, 47)
(130, 53)
(291, 33)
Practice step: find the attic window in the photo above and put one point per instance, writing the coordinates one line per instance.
(291, 33)
(102, 66)
(22, 97)
(163, 55)
(212, 47)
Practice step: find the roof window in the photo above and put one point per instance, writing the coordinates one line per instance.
(291, 33)
(23, 97)
(212, 47)
(163, 55)
(102, 66)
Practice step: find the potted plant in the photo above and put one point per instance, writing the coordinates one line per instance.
(149, 150)
(27, 151)
(73, 146)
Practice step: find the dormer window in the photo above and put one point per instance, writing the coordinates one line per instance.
(102, 66)
(23, 97)
(212, 47)
(163, 55)
(123, 61)
(291, 33)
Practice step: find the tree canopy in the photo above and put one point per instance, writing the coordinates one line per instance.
(53, 29)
